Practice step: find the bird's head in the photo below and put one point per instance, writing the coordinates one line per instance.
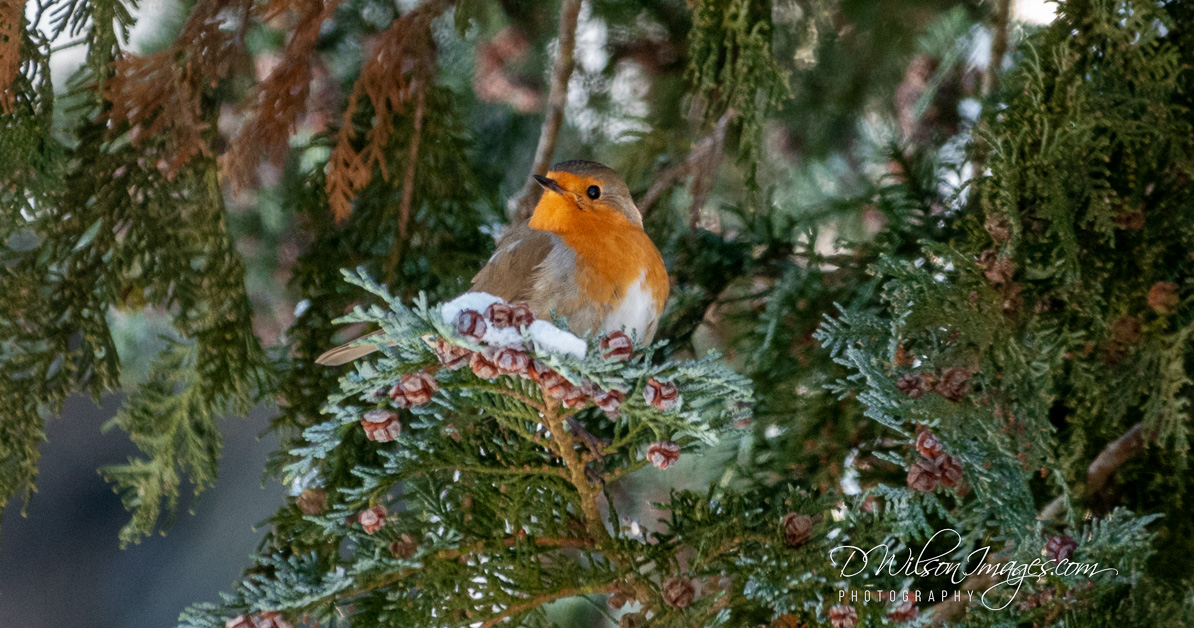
(581, 194)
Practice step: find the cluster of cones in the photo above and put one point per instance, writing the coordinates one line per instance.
(935, 468)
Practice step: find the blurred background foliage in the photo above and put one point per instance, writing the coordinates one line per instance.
(182, 183)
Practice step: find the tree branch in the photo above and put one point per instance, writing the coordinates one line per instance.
(408, 178)
(701, 163)
(1099, 472)
(522, 204)
(545, 598)
(999, 38)
(576, 468)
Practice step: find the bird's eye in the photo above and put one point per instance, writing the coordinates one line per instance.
(594, 192)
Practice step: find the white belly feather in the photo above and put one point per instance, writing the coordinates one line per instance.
(636, 311)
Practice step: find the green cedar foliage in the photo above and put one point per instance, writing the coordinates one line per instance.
(1036, 283)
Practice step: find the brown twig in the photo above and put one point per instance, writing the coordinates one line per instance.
(1099, 472)
(990, 84)
(999, 40)
(545, 598)
(11, 13)
(701, 163)
(408, 178)
(522, 203)
(576, 469)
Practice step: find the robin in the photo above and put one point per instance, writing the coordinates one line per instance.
(583, 255)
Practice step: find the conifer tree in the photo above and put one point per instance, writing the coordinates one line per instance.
(923, 318)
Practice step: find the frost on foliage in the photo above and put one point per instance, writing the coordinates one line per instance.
(506, 435)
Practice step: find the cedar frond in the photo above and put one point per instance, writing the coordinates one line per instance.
(401, 59)
(274, 109)
(161, 93)
(12, 14)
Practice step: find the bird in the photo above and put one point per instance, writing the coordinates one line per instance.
(582, 255)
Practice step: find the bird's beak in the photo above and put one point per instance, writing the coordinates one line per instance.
(549, 184)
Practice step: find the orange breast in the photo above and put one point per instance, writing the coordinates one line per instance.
(612, 253)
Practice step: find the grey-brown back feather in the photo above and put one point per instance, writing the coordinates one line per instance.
(523, 269)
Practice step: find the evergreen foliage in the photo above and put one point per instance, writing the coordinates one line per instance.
(908, 346)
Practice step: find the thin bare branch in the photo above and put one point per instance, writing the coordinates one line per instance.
(700, 164)
(999, 38)
(540, 600)
(1099, 472)
(522, 204)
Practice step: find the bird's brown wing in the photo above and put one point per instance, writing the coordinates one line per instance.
(511, 274)
(513, 271)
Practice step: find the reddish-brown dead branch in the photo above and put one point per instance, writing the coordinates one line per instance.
(278, 102)
(12, 13)
(401, 59)
(159, 95)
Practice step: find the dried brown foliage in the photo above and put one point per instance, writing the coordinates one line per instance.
(160, 95)
(494, 80)
(396, 72)
(12, 13)
(274, 108)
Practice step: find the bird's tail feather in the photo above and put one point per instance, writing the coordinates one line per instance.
(347, 352)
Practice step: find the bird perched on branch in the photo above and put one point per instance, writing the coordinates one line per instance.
(583, 255)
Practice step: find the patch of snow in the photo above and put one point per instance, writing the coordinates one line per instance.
(555, 340)
(477, 301)
(309, 480)
(546, 336)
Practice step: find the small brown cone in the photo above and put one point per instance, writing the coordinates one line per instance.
(484, 365)
(912, 385)
(1060, 548)
(663, 454)
(928, 444)
(1163, 297)
(372, 519)
(617, 346)
(609, 400)
(500, 315)
(312, 501)
(471, 325)
(1126, 330)
(512, 361)
(419, 387)
(954, 384)
(404, 547)
(678, 592)
(924, 476)
(662, 395)
(903, 612)
(843, 616)
(996, 269)
(450, 355)
(949, 469)
(381, 426)
(521, 316)
(271, 619)
(797, 529)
